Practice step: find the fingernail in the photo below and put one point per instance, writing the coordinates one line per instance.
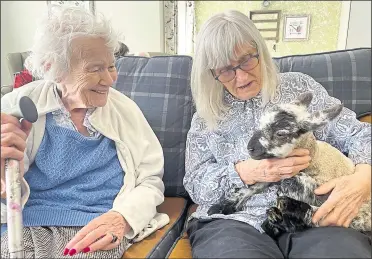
(65, 252)
(86, 250)
(72, 252)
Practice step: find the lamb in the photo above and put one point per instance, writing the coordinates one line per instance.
(282, 129)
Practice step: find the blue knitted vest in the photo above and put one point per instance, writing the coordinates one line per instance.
(73, 178)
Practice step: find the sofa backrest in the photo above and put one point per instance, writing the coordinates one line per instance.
(346, 74)
(161, 88)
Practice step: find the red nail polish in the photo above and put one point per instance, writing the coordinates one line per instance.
(72, 251)
(65, 252)
(86, 250)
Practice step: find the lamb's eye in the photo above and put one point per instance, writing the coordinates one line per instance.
(281, 133)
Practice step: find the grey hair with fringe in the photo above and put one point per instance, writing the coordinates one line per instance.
(51, 51)
(216, 45)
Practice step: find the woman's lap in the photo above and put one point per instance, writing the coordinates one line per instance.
(49, 242)
(233, 239)
(223, 238)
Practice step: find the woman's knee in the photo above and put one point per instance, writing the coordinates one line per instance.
(331, 242)
(230, 239)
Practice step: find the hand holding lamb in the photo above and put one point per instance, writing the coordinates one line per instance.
(273, 169)
(348, 195)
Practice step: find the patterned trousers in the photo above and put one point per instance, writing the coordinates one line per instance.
(49, 242)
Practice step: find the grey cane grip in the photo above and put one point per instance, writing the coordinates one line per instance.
(28, 109)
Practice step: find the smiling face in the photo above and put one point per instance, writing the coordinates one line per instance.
(246, 84)
(92, 73)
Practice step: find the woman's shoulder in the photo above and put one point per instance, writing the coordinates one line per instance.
(292, 84)
(37, 91)
(122, 102)
(198, 124)
(288, 78)
(124, 109)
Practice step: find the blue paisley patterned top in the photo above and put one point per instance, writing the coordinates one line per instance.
(210, 155)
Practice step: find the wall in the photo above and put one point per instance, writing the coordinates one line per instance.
(359, 31)
(140, 22)
(18, 25)
(324, 24)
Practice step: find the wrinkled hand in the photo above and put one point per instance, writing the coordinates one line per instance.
(348, 194)
(97, 234)
(274, 169)
(13, 143)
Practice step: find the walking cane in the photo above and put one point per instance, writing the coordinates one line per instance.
(13, 189)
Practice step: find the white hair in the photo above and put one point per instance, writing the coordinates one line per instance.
(51, 52)
(219, 40)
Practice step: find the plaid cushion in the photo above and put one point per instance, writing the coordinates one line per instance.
(345, 74)
(161, 88)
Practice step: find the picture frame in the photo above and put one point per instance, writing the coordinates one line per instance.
(296, 27)
(89, 5)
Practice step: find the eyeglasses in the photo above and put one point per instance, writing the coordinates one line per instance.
(227, 75)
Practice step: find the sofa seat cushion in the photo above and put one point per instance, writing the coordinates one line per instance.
(182, 248)
(158, 244)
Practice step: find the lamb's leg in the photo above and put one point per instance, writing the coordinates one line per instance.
(301, 187)
(237, 199)
(247, 193)
(296, 215)
(226, 207)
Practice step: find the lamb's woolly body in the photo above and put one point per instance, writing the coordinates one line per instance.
(329, 163)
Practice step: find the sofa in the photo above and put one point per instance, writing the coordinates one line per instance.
(160, 85)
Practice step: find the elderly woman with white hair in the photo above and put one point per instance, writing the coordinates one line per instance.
(92, 167)
(233, 81)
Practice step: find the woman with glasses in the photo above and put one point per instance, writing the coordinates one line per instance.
(233, 81)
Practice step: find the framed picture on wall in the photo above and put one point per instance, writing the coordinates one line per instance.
(89, 5)
(296, 27)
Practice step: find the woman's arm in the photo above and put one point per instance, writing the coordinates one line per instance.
(345, 132)
(206, 180)
(139, 205)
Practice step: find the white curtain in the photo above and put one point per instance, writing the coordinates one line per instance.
(179, 27)
(190, 27)
(170, 11)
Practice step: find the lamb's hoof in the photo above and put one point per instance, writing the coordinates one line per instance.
(215, 209)
(283, 203)
(221, 209)
(270, 229)
(274, 215)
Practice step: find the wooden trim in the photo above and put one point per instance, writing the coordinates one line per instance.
(267, 20)
(268, 29)
(366, 118)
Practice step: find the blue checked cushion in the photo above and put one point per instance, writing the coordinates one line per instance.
(346, 74)
(161, 88)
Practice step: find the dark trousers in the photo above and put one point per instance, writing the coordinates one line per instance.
(223, 238)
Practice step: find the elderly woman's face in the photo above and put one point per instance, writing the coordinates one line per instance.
(247, 81)
(92, 74)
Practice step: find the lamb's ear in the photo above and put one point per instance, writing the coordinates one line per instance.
(304, 99)
(320, 118)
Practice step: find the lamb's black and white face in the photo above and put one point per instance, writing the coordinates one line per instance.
(284, 124)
